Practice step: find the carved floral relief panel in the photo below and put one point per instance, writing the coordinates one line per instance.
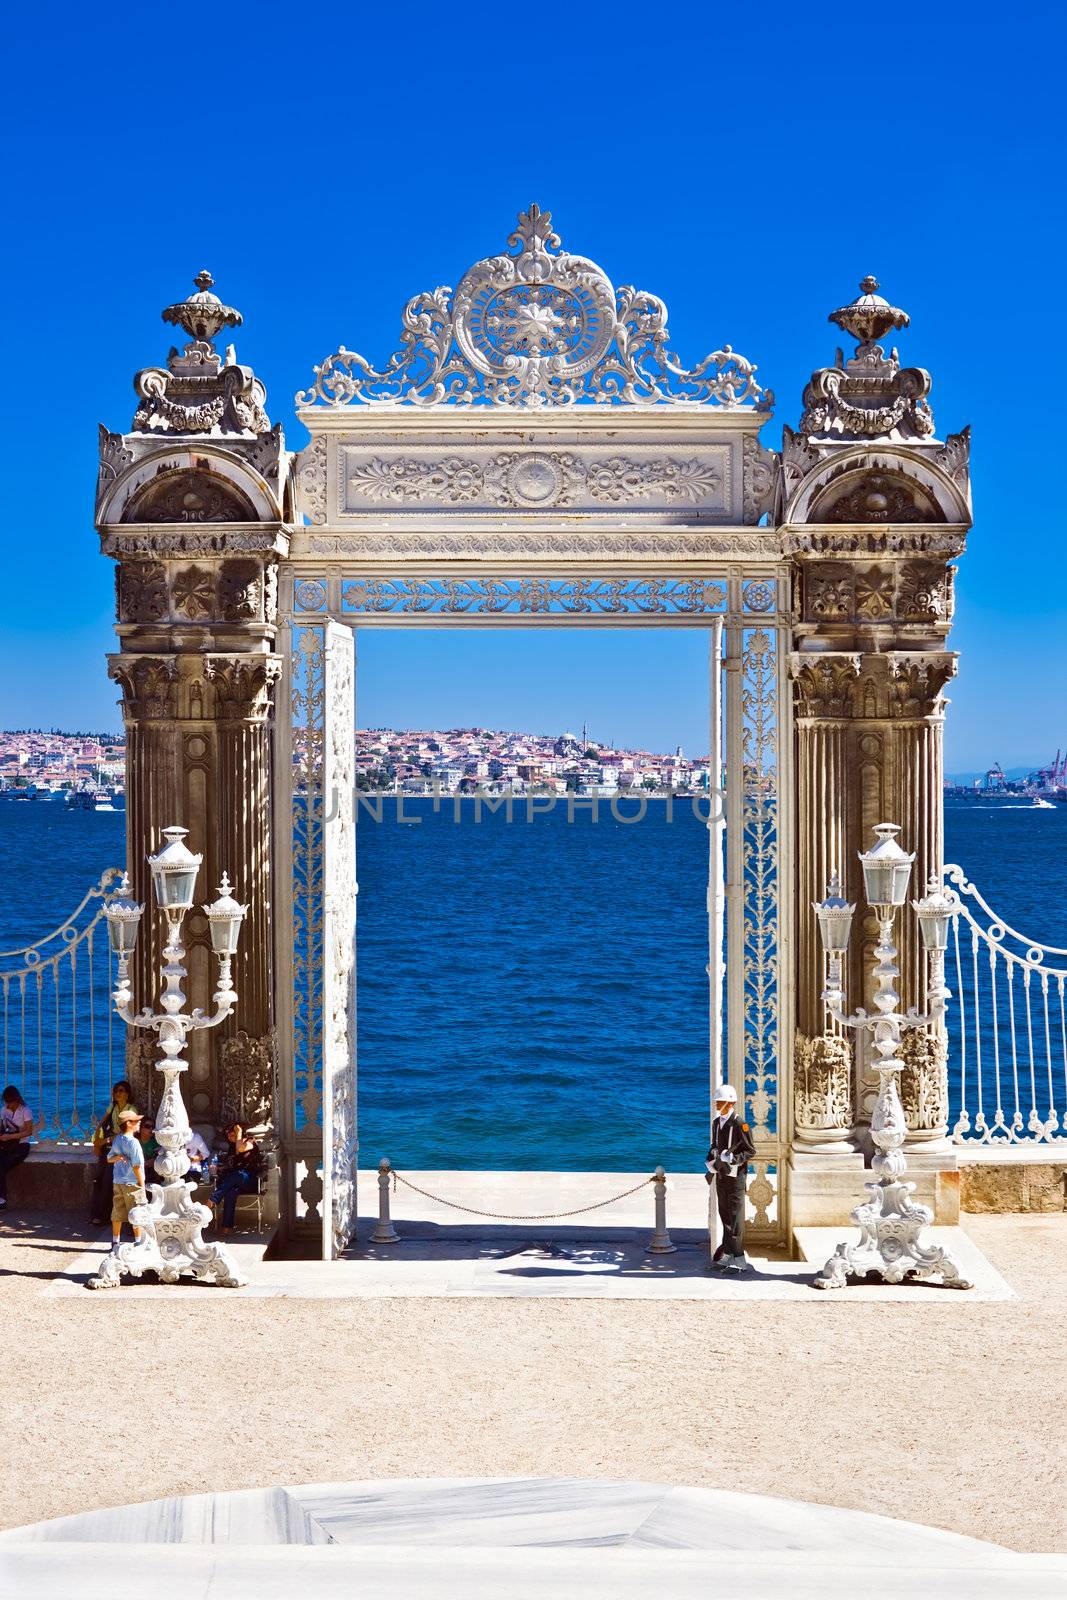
(697, 479)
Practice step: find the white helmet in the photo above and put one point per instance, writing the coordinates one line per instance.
(726, 1092)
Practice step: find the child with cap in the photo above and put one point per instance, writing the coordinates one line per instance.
(727, 1165)
(127, 1157)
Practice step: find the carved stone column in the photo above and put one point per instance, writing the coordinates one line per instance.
(191, 504)
(874, 509)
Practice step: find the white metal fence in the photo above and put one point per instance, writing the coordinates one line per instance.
(62, 1044)
(1007, 1028)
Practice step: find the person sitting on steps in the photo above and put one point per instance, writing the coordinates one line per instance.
(16, 1125)
(239, 1172)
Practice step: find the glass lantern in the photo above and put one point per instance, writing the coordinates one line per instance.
(174, 872)
(835, 918)
(123, 920)
(225, 916)
(935, 912)
(886, 869)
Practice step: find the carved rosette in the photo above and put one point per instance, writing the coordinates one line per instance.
(822, 1089)
(141, 591)
(924, 1083)
(243, 684)
(247, 1086)
(241, 588)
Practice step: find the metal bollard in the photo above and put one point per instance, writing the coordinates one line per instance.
(660, 1242)
(384, 1232)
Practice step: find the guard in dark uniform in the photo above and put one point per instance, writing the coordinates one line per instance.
(731, 1151)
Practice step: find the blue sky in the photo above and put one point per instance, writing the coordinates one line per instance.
(748, 165)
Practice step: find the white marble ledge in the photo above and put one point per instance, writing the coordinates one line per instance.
(506, 1513)
(59, 1572)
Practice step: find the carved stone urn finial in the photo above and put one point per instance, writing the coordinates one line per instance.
(203, 314)
(869, 317)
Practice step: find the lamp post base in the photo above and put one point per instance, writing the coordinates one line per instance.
(890, 1224)
(171, 1226)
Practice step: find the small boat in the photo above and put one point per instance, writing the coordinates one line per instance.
(1042, 805)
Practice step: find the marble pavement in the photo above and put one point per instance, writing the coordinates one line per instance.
(601, 1254)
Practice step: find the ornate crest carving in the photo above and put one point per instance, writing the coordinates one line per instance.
(535, 327)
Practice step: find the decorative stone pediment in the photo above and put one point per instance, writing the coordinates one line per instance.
(533, 327)
(184, 496)
(196, 483)
(866, 487)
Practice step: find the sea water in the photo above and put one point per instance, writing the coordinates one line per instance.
(530, 993)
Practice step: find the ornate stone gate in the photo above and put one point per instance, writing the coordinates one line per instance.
(533, 454)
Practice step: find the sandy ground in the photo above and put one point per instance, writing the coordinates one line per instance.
(948, 1414)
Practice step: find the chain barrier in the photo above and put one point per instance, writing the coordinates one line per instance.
(503, 1216)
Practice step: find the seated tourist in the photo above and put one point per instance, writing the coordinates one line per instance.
(105, 1131)
(199, 1156)
(16, 1125)
(239, 1172)
(149, 1145)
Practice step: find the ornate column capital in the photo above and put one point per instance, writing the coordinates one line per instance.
(243, 685)
(824, 684)
(149, 685)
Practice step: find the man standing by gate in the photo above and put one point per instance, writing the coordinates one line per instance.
(727, 1165)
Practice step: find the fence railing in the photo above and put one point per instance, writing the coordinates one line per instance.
(1007, 1028)
(62, 1044)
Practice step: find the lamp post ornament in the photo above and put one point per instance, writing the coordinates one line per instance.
(172, 1223)
(890, 1222)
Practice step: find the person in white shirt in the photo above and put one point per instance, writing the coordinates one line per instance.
(199, 1154)
(16, 1125)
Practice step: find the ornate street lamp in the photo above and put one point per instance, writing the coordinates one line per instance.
(890, 1222)
(835, 923)
(171, 1223)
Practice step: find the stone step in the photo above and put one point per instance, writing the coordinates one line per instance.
(241, 1572)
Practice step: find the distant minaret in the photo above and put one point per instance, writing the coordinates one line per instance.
(585, 740)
